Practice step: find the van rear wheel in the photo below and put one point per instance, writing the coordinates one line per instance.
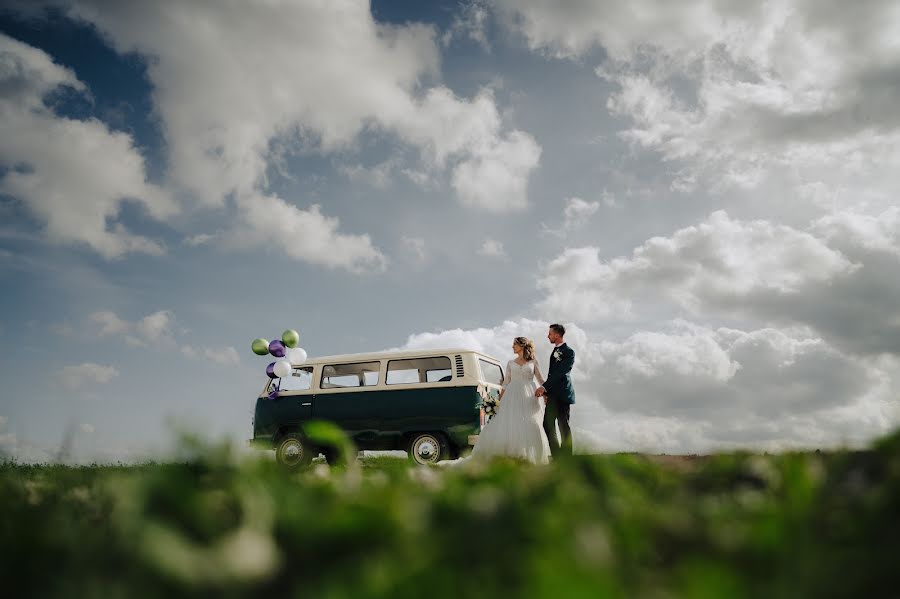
(292, 452)
(428, 448)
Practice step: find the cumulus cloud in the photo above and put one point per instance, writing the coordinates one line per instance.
(157, 328)
(316, 74)
(76, 195)
(470, 23)
(308, 235)
(199, 239)
(840, 277)
(497, 178)
(721, 262)
(737, 93)
(690, 388)
(576, 214)
(379, 176)
(225, 356)
(416, 247)
(83, 375)
(492, 249)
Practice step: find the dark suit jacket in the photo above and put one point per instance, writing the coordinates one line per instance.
(559, 380)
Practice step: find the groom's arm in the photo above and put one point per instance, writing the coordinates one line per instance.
(556, 378)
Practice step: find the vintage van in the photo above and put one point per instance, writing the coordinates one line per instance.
(426, 402)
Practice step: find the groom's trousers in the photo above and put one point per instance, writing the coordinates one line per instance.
(557, 412)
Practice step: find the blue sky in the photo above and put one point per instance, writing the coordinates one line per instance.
(704, 194)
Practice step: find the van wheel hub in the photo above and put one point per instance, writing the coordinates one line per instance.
(426, 449)
(291, 453)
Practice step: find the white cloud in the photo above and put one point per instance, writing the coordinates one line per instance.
(379, 176)
(308, 235)
(469, 23)
(110, 323)
(722, 263)
(577, 211)
(690, 388)
(154, 329)
(493, 249)
(86, 374)
(416, 246)
(576, 214)
(225, 356)
(841, 277)
(199, 239)
(76, 195)
(795, 93)
(497, 178)
(315, 74)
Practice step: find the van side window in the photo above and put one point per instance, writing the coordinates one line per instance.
(419, 370)
(300, 379)
(490, 372)
(362, 374)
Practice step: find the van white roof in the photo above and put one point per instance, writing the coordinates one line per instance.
(394, 355)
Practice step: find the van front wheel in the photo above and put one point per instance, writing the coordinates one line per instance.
(428, 448)
(292, 452)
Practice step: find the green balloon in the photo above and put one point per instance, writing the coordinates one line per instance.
(290, 338)
(260, 346)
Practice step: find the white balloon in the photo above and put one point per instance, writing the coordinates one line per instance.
(282, 369)
(297, 355)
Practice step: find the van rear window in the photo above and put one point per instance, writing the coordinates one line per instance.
(490, 372)
(419, 370)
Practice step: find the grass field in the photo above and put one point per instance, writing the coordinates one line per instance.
(732, 525)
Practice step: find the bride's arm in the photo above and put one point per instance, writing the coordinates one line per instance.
(506, 380)
(538, 375)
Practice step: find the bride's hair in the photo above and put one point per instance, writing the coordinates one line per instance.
(527, 346)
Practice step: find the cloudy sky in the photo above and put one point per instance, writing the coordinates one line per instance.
(704, 192)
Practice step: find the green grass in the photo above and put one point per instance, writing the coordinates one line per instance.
(724, 526)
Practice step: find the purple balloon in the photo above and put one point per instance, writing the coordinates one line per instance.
(276, 348)
(270, 370)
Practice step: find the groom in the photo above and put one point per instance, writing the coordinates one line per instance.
(558, 392)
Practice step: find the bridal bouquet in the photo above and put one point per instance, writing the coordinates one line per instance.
(490, 403)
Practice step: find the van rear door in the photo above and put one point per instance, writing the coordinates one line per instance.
(491, 381)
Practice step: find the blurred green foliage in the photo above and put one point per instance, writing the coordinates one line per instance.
(724, 526)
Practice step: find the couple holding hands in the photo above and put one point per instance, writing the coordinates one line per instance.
(529, 412)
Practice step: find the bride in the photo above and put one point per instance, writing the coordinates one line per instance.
(517, 429)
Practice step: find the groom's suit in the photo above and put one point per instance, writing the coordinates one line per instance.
(560, 397)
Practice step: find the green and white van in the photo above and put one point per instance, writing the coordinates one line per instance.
(427, 402)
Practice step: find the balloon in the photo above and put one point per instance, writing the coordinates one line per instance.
(282, 369)
(270, 370)
(290, 338)
(297, 355)
(276, 348)
(260, 346)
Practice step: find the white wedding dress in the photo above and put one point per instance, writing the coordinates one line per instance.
(517, 429)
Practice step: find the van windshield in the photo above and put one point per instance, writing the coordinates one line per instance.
(300, 380)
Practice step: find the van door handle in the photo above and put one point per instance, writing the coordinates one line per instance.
(306, 403)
